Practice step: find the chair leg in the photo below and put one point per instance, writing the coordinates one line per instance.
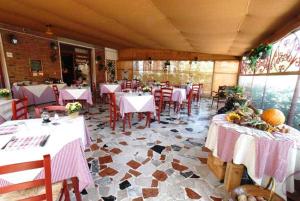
(76, 188)
(149, 118)
(66, 191)
(129, 121)
(124, 122)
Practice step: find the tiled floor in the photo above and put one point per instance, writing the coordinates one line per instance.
(163, 163)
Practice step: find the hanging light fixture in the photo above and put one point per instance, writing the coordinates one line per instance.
(49, 30)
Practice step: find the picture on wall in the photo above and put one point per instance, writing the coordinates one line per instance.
(36, 67)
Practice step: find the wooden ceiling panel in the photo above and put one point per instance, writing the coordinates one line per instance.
(229, 27)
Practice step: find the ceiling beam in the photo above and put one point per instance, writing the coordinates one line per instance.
(155, 54)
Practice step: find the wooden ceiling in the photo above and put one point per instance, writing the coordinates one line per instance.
(228, 27)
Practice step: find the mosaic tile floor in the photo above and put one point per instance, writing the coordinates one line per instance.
(163, 163)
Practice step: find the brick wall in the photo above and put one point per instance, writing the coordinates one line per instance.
(29, 47)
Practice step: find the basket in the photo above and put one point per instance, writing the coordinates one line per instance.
(257, 191)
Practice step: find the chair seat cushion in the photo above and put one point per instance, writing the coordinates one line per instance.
(18, 195)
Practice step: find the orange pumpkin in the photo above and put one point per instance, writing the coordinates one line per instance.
(273, 116)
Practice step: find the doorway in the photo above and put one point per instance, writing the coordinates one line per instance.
(76, 64)
(67, 63)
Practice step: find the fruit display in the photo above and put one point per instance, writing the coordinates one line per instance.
(273, 116)
(244, 197)
(240, 111)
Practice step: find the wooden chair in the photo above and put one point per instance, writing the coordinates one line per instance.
(128, 84)
(167, 93)
(56, 93)
(19, 109)
(51, 108)
(196, 88)
(33, 190)
(158, 98)
(114, 113)
(188, 102)
(219, 96)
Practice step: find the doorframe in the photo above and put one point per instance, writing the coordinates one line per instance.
(3, 65)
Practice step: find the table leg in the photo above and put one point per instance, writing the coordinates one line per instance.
(75, 183)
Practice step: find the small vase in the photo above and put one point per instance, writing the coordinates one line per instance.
(73, 115)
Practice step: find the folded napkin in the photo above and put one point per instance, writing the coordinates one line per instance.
(272, 158)
(25, 142)
(227, 138)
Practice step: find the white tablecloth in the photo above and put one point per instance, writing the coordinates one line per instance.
(132, 102)
(109, 88)
(67, 131)
(245, 151)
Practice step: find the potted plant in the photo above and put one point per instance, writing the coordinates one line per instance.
(73, 109)
(261, 52)
(4, 93)
(146, 89)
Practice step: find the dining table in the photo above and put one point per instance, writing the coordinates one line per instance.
(109, 88)
(5, 110)
(36, 94)
(135, 102)
(64, 139)
(265, 155)
(75, 94)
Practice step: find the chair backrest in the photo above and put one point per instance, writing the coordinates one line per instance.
(158, 98)
(56, 92)
(196, 88)
(19, 109)
(94, 87)
(128, 84)
(45, 163)
(167, 93)
(221, 91)
(50, 108)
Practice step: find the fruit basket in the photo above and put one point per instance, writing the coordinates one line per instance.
(255, 193)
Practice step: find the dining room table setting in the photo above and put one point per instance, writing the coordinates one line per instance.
(74, 93)
(64, 138)
(36, 93)
(255, 140)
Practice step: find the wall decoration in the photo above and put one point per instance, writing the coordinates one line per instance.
(54, 48)
(13, 39)
(36, 66)
(111, 70)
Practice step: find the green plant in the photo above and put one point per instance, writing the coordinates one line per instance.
(73, 107)
(4, 92)
(261, 52)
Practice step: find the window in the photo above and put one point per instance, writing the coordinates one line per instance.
(275, 79)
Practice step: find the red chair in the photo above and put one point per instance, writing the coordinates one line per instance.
(56, 93)
(167, 93)
(114, 113)
(19, 109)
(128, 84)
(158, 98)
(33, 190)
(196, 91)
(51, 108)
(188, 102)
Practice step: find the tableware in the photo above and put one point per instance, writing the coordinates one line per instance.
(44, 141)
(11, 140)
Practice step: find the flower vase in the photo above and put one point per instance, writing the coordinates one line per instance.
(5, 97)
(73, 115)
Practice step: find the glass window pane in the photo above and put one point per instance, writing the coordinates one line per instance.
(257, 91)
(279, 92)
